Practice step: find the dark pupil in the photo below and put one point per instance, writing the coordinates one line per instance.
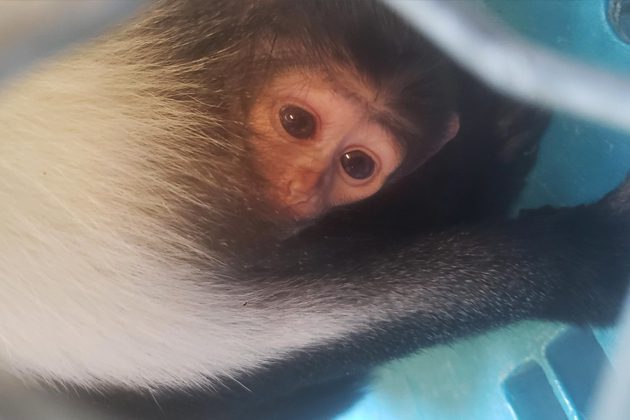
(298, 122)
(357, 164)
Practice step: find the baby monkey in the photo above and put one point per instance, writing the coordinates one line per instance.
(263, 200)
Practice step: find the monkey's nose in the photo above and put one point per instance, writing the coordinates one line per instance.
(304, 187)
(304, 198)
(298, 193)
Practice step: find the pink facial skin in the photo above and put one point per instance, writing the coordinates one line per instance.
(319, 148)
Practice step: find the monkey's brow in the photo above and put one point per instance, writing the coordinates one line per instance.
(382, 115)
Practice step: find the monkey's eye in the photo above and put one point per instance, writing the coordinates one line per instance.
(357, 164)
(298, 122)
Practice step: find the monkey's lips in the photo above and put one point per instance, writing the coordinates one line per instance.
(306, 210)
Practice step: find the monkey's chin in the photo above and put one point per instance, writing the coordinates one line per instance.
(289, 223)
(305, 212)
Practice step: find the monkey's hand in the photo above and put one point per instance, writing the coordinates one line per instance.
(597, 243)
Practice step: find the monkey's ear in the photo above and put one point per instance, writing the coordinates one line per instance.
(452, 128)
(449, 133)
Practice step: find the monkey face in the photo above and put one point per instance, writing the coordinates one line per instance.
(319, 146)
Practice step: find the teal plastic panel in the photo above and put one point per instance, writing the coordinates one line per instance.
(530, 370)
(530, 394)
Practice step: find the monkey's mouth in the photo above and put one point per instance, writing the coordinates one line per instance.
(304, 211)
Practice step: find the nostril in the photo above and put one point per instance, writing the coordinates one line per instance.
(297, 192)
(293, 188)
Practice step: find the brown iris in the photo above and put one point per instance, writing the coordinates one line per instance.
(297, 122)
(357, 164)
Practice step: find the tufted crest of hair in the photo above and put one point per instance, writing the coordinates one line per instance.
(125, 190)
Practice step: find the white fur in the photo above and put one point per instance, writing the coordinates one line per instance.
(95, 288)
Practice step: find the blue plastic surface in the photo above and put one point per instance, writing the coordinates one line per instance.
(577, 359)
(530, 394)
(531, 370)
